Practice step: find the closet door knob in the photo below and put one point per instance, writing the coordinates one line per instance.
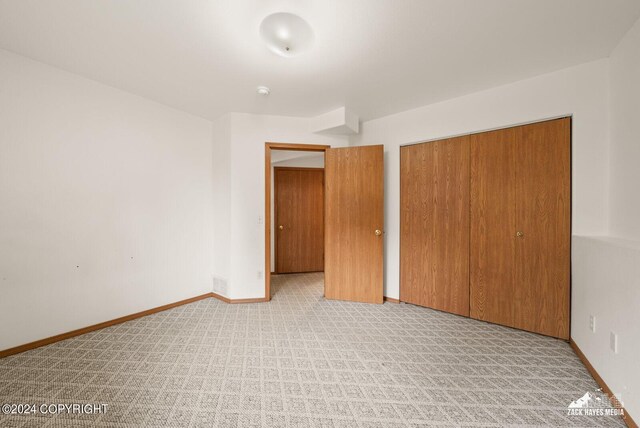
(519, 234)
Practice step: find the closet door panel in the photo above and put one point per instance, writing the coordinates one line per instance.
(543, 216)
(492, 234)
(434, 225)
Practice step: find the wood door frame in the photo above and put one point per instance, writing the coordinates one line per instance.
(275, 205)
(268, 147)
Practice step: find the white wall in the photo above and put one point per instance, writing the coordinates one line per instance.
(292, 158)
(93, 177)
(581, 91)
(606, 271)
(625, 137)
(606, 284)
(247, 136)
(221, 202)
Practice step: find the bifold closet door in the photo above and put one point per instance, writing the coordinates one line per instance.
(543, 221)
(493, 285)
(520, 227)
(434, 225)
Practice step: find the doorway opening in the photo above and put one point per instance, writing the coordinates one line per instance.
(294, 186)
(353, 220)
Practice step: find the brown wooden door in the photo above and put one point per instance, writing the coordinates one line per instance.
(299, 219)
(543, 218)
(354, 219)
(493, 226)
(434, 225)
(520, 227)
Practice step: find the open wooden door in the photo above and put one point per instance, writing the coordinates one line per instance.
(354, 220)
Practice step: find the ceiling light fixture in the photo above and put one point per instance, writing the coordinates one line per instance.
(286, 34)
(263, 90)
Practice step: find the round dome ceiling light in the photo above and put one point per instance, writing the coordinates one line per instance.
(286, 34)
(263, 90)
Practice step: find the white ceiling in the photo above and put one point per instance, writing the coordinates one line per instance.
(375, 56)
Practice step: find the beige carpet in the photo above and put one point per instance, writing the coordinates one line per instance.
(302, 361)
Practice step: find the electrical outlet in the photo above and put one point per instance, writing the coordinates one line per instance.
(613, 342)
(259, 274)
(260, 221)
(592, 323)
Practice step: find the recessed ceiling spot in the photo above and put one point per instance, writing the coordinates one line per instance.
(286, 34)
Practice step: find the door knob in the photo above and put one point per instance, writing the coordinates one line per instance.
(281, 227)
(519, 234)
(378, 232)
